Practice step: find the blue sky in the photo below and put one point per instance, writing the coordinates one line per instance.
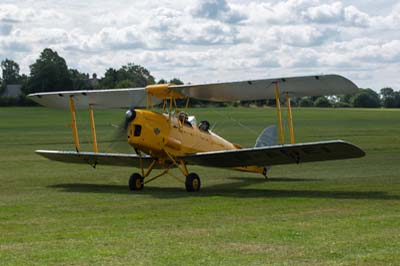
(211, 40)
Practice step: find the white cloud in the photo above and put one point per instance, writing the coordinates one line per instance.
(217, 10)
(210, 40)
(325, 13)
(13, 14)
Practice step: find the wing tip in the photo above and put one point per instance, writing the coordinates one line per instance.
(357, 152)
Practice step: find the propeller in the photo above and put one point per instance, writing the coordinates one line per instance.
(130, 115)
(120, 136)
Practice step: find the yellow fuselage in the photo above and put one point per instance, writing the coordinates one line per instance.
(158, 134)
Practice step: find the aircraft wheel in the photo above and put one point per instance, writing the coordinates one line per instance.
(192, 182)
(136, 182)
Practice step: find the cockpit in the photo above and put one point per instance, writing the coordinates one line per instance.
(204, 126)
(190, 120)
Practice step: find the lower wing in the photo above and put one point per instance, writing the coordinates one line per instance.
(259, 156)
(91, 158)
(278, 154)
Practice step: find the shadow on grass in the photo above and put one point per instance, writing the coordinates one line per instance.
(234, 189)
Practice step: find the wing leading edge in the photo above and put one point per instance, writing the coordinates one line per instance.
(259, 156)
(91, 158)
(113, 98)
(276, 155)
(264, 88)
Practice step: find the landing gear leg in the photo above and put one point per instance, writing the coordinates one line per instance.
(265, 173)
(192, 183)
(136, 182)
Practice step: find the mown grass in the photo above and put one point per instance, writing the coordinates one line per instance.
(331, 213)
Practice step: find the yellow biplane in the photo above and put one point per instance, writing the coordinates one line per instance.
(172, 139)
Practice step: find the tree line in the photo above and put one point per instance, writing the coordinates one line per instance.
(50, 72)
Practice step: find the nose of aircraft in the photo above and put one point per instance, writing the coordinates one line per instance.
(129, 117)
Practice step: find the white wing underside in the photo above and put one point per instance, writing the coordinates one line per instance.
(264, 88)
(227, 91)
(100, 99)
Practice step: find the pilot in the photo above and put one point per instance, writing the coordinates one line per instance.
(183, 118)
(204, 126)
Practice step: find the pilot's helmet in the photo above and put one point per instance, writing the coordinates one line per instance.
(204, 125)
(182, 116)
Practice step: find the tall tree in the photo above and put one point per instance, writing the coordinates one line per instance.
(176, 81)
(10, 72)
(366, 98)
(129, 75)
(390, 98)
(80, 81)
(322, 101)
(49, 73)
(387, 92)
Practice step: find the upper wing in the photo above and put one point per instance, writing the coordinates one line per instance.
(278, 154)
(264, 88)
(113, 98)
(228, 91)
(94, 159)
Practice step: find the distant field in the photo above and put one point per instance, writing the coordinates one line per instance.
(332, 213)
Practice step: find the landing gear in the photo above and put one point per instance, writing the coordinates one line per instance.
(192, 182)
(136, 182)
(265, 173)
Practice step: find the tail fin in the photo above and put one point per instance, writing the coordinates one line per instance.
(268, 137)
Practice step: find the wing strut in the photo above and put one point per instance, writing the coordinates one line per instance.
(74, 127)
(290, 120)
(93, 129)
(279, 113)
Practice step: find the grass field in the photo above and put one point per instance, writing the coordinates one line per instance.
(332, 213)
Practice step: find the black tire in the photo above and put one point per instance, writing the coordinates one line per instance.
(136, 182)
(192, 182)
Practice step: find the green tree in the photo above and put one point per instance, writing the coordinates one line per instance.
(10, 72)
(49, 73)
(345, 98)
(390, 102)
(322, 102)
(126, 83)
(390, 98)
(138, 76)
(305, 102)
(176, 81)
(110, 79)
(387, 92)
(79, 80)
(366, 98)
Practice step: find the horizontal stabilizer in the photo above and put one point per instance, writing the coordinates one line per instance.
(91, 158)
(277, 154)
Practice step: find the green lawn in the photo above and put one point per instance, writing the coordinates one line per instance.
(329, 213)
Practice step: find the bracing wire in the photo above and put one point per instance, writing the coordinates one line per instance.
(237, 122)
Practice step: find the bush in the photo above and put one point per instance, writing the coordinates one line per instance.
(366, 98)
(305, 102)
(322, 102)
(20, 101)
(392, 101)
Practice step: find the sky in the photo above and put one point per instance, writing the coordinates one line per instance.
(203, 41)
